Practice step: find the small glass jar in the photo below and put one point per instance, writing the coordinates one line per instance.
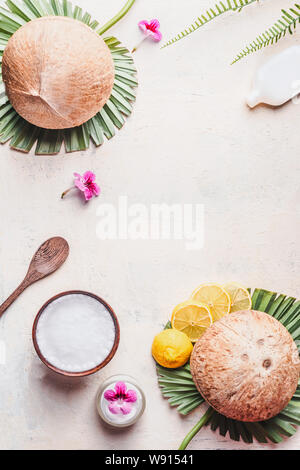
(119, 412)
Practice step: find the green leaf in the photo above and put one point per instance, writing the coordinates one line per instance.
(290, 314)
(122, 105)
(284, 427)
(177, 399)
(186, 408)
(276, 305)
(49, 142)
(24, 137)
(262, 300)
(257, 431)
(178, 387)
(126, 78)
(287, 23)
(20, 9)
(37, 7)
(124, 90)
(114, 114)
(31, 7)
(57, 7)
(244, 433)
(106, 123)
(233, 430)
(11, 127)
(4, 110)
(284, 308)
(273, 432)
(96, 131)
(76, 138)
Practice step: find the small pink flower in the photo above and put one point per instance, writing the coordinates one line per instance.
(151, 30)
(86, 184)
(120, 399)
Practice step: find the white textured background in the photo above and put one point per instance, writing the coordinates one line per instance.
(191, 138)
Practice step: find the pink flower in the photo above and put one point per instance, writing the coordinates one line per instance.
(151, 30)
(86, 184)
(120, 399)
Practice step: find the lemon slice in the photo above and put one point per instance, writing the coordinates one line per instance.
(215, 297)
(191, 318)
(239, 296)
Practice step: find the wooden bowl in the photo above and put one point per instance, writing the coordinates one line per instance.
(86, 372)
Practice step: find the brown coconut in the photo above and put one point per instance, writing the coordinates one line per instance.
(58, 72)
(246, 366)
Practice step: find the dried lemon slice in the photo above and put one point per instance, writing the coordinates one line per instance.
(215, 297)
(239, 296)
(191, 318)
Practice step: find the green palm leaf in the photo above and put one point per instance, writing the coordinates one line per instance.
(212, 13)
(23, 135)
(287, 23)
(178, 386)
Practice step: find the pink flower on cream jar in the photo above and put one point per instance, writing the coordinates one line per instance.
(120, 401)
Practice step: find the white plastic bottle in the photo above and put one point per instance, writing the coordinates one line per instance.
(278, 80)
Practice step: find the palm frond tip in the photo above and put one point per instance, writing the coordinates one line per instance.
(212, 13)
(22, 135)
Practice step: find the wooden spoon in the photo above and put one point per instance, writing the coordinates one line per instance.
(48, 258)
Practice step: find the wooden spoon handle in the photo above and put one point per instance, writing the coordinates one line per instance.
(13, 296)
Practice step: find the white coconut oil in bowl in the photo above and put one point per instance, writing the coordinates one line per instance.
(76, 333)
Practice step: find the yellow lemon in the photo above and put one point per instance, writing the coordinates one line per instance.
(171, 348)
(191, 318)
(239, 296)
(215, 297)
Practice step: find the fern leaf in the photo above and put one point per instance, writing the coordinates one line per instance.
(210, 14)
(287, 23)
